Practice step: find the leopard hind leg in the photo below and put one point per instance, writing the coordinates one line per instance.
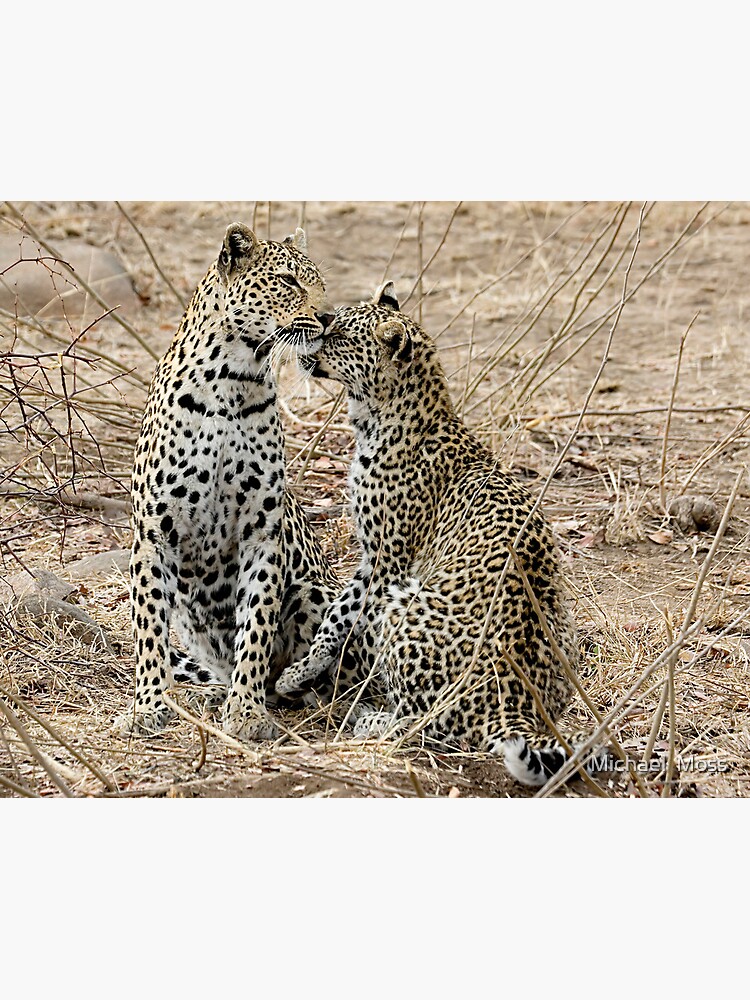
(185, 670)
(208, 641)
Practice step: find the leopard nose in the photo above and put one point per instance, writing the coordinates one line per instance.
(325, 319)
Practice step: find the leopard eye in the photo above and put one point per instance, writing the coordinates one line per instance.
(289, 279)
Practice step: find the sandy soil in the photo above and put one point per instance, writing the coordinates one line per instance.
(500, 283)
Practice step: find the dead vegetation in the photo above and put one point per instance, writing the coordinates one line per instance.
(596, 347)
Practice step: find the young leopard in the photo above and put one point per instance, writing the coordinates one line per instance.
(437, 610)
(221, 552)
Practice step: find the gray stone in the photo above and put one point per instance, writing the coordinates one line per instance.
(102, 564)
(45, 595)
(42, 584)
(696, 513)
(33, 283)
(82, 625)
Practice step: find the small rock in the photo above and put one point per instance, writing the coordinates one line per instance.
(36, 284)
(41, 584)
(43, 594)
(86, 629)
(692, 514)
(101, 564)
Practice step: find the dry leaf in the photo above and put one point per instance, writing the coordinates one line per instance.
(662, 537)
(592, 538)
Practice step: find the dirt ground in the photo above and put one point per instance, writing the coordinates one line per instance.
(635, 311)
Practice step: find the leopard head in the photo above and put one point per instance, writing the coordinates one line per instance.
(370, 348)
(268, 287)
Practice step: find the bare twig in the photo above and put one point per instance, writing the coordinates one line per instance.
(537, 419)
(81, 281)
(549, 721)
(468, 366)
(181, 301)
(668, 421)
(259, 759)
(16, 773)
(13, 786)
(204, 748)
(423, 269)
(420, 255)
(416, 783)
(398, 242)
(558, 283)
(672, 717)
(311, 445)
(229, 741)
(689, 629)
(41, 759)
(507, 273)
(659, 713)
(716, 449)
(598, 323)
(57, 735)
(565, 663)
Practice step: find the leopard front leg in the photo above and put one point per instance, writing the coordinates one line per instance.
(344, 644)
(151, 592)
(259, 583)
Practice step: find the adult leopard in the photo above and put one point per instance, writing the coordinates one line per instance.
(222, 553)
(438, 611)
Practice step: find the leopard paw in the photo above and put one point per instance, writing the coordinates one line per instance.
(143, 721)
(372, 724)
(298, 674)
(248, 725)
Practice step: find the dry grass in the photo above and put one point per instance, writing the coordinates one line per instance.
(563, 329)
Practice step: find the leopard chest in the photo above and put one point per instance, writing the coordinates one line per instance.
(237, 475)
(212, 480)
(385, 503)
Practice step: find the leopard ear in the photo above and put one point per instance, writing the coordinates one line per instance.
(239, 247)
(385, 295)
(299, 240)
(396, 341)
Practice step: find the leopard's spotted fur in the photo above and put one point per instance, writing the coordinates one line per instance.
(222, 553)
(437, 614)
